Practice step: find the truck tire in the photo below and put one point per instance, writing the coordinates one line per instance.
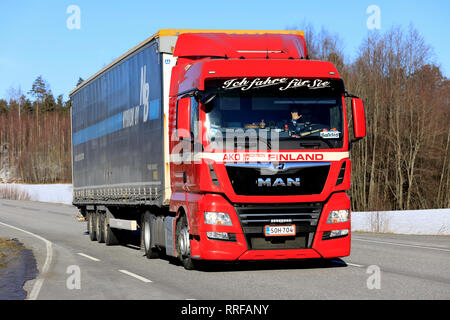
(99, 220)
(150, 251)
(87, 222)
(91, 225)
(183, 244)
(111, 236)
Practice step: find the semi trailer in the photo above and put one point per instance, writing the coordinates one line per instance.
(217, 145)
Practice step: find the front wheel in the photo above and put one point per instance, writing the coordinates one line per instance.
(183, 244)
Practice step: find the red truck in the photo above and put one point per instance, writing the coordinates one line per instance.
(217, 145)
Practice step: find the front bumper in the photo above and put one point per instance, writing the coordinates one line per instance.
(240, 248)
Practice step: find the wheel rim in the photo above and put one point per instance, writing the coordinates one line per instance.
(105, 228)
(147, 235)
(98, 225)
(91, 223)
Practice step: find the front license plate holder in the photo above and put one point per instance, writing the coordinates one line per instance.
(279, 231)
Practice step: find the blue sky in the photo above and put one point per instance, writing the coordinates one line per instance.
(35, 40)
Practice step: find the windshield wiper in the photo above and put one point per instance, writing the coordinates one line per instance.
(304, 134)
(314, 145)
(267, 142)
(238, 142)
(327, 142)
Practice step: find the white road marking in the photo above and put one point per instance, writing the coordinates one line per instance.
(89, 257)
(135, 276)
(401, 244)
(355, 265)
(48, 260)
(349, 264)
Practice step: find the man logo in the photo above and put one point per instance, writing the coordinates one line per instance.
(279, 182)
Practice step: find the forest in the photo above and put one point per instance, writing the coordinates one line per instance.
(402, 164)
(35, 140)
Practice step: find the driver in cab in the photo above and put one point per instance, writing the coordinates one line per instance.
(294, 127)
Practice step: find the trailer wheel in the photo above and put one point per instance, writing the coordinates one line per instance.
(110, 235)
(99, 221)
(91, 225)
(183, 244)
(87, 222)
(150, 251)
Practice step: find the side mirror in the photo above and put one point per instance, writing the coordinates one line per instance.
(184, 118)
(359, 118)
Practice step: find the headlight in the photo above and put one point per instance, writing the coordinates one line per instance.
(337, 216)
(218, 218)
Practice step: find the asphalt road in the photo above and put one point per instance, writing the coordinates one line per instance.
(381, 266)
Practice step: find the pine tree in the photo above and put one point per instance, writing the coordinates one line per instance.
(49, 103)
(39, 89)
(80, 81)
(3, 106)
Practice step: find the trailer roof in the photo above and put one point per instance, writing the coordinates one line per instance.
(175, 33)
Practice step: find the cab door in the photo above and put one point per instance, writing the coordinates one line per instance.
(185, 138)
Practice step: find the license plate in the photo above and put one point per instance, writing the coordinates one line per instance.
(273, 231)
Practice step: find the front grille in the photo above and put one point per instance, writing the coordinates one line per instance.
(253, 218)
(258, 179)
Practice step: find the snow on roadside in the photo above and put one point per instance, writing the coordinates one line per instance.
(57, 193)
(431, 222)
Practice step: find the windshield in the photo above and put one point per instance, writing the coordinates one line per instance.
(268, 117)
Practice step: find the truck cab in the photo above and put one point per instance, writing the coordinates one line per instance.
(259, 149)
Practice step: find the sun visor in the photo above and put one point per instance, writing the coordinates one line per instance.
(247, 46)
